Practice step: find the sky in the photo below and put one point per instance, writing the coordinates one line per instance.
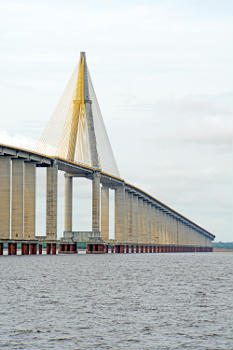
(162, 72)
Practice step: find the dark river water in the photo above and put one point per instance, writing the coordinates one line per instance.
(119, 301)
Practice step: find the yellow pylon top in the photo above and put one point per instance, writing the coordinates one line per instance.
(78, 111)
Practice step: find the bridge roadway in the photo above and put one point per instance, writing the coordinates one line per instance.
(142, 222)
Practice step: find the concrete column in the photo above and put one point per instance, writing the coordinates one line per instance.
(130, 217)
(140, 221)
(17, 199)
(154, 238)
(5, 180)
(29, 200)
(51, 203)
(105, 213)
(120, 213)
(149, 239)
(96, 203)
(68, 203)
(127, 217)
(135, 219)
(145, 222)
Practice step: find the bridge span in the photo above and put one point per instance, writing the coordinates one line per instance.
(75, 142)
(142, 222)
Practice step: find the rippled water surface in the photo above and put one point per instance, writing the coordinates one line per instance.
(130, 301)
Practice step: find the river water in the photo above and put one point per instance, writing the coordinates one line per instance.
(117, 301)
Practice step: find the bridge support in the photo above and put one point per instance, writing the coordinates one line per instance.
(1, 248)
(17, 199)
(119, 213)
(68, 203)
(96, 203)
(29, 200)
(12, 248)
(93, 248)
(54, 248)
(48, 248)
(5, 180)
(24, 248)
(40, 249)
(51, 203)
(104, 213)
(132, 249)
(122, 249)
(33, 248)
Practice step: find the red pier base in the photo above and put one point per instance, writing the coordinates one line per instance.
(127, 249)
(40, 249)
(33, 248)
(48, 248)
(112, 249)
(137, 249)
(154, 249)
(122, 249)
(117, 249)
(54, 248)
(106, 249)
(65, 248)
(12, 248)
(1, 248)
(146, 249)
(132, 249)
(24, 248)
(95, 249)
(141, 249)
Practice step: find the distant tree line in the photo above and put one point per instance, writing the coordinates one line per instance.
(223, 245)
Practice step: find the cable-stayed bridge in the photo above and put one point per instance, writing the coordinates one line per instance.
(75, 142)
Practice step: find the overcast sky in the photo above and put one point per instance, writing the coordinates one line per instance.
(162, 72)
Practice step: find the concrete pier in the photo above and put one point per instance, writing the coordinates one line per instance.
(33, 249)
(40, 249)
(12, 248)
(17, 199)
(54, 248)
(24, 248)
(51, 203)
(5, 181)
(119, 213)
(48, 248)
(96, 203)
(29, 200)
(105, 213)
(68, 203)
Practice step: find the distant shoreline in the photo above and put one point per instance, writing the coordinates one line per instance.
(222, 250)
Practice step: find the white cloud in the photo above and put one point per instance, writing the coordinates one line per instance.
(16, 140)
